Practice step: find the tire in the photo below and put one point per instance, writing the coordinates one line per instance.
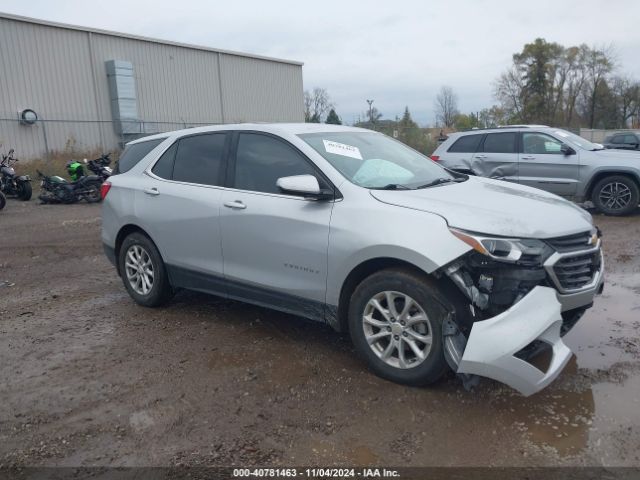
(93, 193)
(25, 191)
(3, 200)
(142, 248)
(400, 284)
(616, 195)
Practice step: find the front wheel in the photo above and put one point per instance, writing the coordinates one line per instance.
(395, 322)
(616, 195)
(24, 191)
(143, 272)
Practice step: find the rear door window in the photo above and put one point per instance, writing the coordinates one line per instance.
(134, 153)
(200, 159)
(630, 139)
(164, 166)
(500, 142)
(466, 144)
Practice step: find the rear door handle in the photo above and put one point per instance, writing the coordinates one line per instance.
(481, 156)
(528, 157)
(237, 204)
(151, 191)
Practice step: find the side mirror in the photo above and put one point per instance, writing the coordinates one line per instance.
(567, 150)
(304, 185)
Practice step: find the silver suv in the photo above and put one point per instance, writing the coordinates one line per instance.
(426, 269)
(551, 159)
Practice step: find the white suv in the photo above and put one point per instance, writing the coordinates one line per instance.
(426, 269)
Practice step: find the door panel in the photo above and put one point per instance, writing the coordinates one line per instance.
(275, 243)
(542, 164)
(183, 222)
(498, 157)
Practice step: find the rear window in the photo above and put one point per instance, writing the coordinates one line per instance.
(500, 143)
(134, 153)
(466, 144)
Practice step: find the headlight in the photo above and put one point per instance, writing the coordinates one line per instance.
(505, 249)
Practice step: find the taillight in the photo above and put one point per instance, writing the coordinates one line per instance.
(104, 189)
(435, 158)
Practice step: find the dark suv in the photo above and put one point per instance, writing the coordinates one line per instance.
(623, 141)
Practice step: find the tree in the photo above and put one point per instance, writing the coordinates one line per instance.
(332, 118)
(316, 104)
(407, 122)
(598, 63)
(446, 106)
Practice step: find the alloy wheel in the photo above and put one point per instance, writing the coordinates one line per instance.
(139, 269)
(615, 196)
(397, 329)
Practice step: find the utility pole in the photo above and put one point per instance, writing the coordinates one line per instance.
(370, 102)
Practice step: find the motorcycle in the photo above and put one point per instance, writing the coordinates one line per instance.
(12, 184)
(56, 189)
(100, 166)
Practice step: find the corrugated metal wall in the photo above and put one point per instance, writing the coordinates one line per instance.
(61, 74)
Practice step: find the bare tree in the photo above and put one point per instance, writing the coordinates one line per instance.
(316, 104)
(446, 106)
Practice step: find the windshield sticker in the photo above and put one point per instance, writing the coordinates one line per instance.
(342, 149)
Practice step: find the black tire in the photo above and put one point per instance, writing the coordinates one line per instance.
(614, 183)
(425, 294)
(3, 200)
(24, 191)
(93, 193)
(161, 291)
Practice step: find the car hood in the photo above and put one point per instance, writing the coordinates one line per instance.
(626, 157)
(494, 207)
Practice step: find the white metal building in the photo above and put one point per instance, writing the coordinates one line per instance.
(94, 90)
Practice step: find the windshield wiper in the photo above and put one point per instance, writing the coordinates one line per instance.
(440, 181)
(393, 186)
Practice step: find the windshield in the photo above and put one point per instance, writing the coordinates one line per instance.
(373, 160)
(576, 140)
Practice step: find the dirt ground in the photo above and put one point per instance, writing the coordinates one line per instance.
(89, 378)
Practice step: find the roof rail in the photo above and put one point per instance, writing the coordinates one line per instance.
(523, 126)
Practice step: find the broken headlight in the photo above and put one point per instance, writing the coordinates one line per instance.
(526, 251)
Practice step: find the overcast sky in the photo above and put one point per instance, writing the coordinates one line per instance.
(398, 54)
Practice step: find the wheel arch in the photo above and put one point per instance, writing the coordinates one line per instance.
(123, 233)
(609, 173)
(358, 274)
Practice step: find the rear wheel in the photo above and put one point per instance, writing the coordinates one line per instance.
(93, 193)
(395, 323)
(143, 272)
(616, 195)
(24, 191)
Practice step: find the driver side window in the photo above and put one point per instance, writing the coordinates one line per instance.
(540, 143)
(261, 160)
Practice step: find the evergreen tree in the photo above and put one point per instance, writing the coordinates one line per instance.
(332, 118)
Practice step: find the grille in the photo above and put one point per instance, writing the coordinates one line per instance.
(577, 271)
(570, 243)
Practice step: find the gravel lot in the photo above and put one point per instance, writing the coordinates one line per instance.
(89, 378)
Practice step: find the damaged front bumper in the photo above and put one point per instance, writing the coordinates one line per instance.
(493, 344)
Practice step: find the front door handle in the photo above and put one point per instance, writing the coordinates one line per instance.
(528, 157)
(237, 204)
(151, 191)
(481, 156)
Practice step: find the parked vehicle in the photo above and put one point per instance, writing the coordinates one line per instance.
(12, 183)
(426, 268)
(100, 166)
(548, 158)
(55, 189)
(623, 141)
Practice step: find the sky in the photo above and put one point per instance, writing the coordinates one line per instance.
(397, 53)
